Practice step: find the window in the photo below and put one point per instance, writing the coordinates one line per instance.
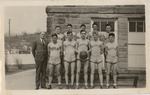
(102, 22)
(136, 25)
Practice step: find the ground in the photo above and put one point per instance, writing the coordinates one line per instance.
(25, 80)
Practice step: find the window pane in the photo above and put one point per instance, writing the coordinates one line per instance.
(132, 26)
(103, 25)
(140, 27)
(112, 25)
(97, 22)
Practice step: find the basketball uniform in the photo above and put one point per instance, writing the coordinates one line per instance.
(112, 52)
(95, 51)
(69, 50)
(54, 57)
(82, 45)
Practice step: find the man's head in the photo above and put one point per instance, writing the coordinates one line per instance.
(42, 35)
(95, 36)
(70, 35)
(54, 37)
(57, 29)
(111, 37)
(108, 27)
(69, 27)
(83, 34)
(82, 27)
(95, 26)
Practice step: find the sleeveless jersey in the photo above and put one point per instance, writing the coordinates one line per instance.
(95, 47)
(82, 45)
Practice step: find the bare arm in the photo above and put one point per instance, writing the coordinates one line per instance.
(102, 49)
(106, 50)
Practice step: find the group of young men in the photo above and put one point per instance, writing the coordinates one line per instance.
(95, 49)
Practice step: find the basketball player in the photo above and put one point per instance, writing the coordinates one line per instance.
(59, 33)
(54, 55)
(82, 27)
(69, 28)
(95, 29)
(83, 51)
(96, 59)
(69, 57)
(111, 52)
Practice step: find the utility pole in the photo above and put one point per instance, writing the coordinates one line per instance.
(9, 35)
(9, 27)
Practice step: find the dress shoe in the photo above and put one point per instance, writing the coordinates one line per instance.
(37, 88)
(43, 87)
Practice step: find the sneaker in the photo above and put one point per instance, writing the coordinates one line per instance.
(115, 86)
(86, 87)
(72, 87)
(49, 87)
(101, 86)
(59, 86)
(107, 86)
(67, 86)
(77, 86)
(91, 87)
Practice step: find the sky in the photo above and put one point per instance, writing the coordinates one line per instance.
(29, 19)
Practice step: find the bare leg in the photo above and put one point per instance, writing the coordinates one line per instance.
(72, 72)
(78, 72)
(100, 73)
(115, 74)
(86, 65)
(92, 73)
(66, 65)
(58, 74)
(108, 74)
(51, 67)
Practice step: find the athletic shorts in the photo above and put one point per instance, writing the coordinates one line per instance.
(96, 58)
(111, 59)
(54, 60)
(69, 57)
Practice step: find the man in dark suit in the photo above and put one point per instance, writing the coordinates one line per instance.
(39, 51)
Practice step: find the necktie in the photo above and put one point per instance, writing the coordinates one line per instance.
(43, 42)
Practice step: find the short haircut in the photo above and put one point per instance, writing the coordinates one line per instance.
(54, 34)
(107, 25)
(82, 31)
(57, 26)
(82, 25)
(69, 25)
(111, 34)
(69, 32)
(94, 33)
(94, 24)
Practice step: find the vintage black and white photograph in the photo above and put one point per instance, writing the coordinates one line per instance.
(75, 47)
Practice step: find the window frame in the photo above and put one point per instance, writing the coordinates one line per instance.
(136, 20)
